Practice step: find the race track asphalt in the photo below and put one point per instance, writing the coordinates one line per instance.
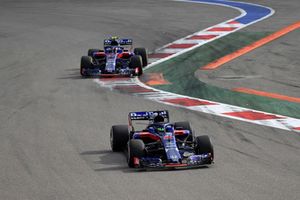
(54, 126)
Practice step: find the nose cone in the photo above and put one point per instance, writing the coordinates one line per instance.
(171, 149)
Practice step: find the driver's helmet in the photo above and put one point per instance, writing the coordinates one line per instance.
(114, 41)
(158, 119)
(159, 129)
(156, 128)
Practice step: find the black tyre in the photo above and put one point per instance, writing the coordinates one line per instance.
(86, 62)
(136, 62)
(184, 126)
(119, 136)
(143, 53)
(136, 148)
(92, 51)
(203, 145)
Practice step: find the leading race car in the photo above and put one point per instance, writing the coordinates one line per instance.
(116, 59)
(160, 144)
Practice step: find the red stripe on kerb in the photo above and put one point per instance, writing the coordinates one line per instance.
(133, 89)
(188, 102)
(297, 128)
(201, 37)
(233, 22)
(159, 55)
(251, 115)
(222, 29)
(180, 46)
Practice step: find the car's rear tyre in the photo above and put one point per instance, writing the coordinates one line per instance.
(119, 136)
(86, 62)
(92, 51)
(184, 126)
(136, 63)
(203, 146)
(143, 53)
(136, 149)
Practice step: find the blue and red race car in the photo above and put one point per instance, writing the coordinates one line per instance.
(160, 144)
(116, 59)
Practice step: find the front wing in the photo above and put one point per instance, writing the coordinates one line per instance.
(98, 72)
(193, 161)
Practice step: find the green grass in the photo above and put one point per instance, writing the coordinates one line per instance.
(180, 72)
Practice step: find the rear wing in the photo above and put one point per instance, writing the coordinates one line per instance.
(147, 115)
(121, 42)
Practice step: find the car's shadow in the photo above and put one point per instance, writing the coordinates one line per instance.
(107, 160)
(73, 73)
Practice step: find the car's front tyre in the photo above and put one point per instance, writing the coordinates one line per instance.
(136, 149)
(86, 62)
(136, 64)
(143, 53)
(203, 146)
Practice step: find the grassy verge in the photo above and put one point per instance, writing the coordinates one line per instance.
(180, 72)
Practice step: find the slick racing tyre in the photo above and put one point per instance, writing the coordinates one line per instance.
(119, 136)
(92, 51)
(136, 63)
(136, 149)
(184, 126)
(203, 146)
(143, 53)
(86, 62)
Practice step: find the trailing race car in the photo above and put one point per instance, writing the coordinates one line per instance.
(161, 144)
(116, 59)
